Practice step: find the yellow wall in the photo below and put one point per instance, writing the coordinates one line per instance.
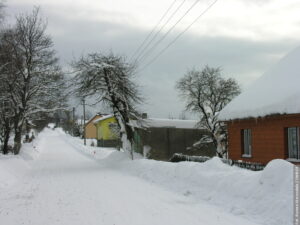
(90, 128)
(103, 129)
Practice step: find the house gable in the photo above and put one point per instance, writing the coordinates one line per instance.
(90, 129)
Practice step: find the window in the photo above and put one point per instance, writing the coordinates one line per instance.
(246, 140)
(293, 142)
(115, 130)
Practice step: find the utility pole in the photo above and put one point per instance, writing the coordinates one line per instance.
(73, 128)
(84, 137)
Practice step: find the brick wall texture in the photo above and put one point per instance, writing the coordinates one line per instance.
(269, 137)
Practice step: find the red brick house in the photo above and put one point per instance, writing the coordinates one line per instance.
(264, 121)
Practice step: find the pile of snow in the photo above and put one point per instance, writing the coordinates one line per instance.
(114, 155)
(265, 197)
(15, 167)
(275, 92)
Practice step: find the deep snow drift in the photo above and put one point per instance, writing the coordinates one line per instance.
(275, 92)
(87, 185)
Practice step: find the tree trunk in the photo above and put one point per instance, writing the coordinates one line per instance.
(5, 140)
(129, 134)
(17, 142)
(220, 149)
(18, 137)
(128, 131)
(18, 126)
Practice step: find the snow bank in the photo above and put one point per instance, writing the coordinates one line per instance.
(275, 92)
(264, 197)
(14, 167)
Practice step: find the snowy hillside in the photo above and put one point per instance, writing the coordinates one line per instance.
(275, 92)
(57, 180)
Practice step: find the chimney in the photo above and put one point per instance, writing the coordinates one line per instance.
(144, 116)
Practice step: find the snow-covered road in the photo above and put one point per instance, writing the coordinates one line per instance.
(64, 186)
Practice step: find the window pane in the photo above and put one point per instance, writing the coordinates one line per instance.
(293, 142)
(247, 141)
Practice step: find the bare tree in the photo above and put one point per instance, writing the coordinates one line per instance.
(110, 80)
(6, 117)
(35, 80)
(206, 93)
(7, 68)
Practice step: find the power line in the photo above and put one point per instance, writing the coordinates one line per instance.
(161, 28)
(177, 37)
(165, 35)
(149, 35)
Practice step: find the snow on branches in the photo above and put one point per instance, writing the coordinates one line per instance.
(34, 81)
(110, 80)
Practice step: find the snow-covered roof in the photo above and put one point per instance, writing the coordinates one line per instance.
(103, 118)
(93, 118)
(276, 92)
(155, 122)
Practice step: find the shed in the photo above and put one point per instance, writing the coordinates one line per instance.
(160, 139)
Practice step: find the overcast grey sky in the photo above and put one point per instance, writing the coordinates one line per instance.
(243, 37)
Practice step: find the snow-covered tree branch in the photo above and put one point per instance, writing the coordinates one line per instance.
(34, 81)
(111, 80)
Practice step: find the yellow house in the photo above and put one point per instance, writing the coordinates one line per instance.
(90, 129)
(107, 132)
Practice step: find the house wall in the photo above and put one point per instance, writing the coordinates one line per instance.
(103, 130)
(164, 142)
(105, 137)
(269, 139)
(90, 128)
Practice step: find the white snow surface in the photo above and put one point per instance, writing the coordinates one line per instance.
(158, 122)
(58, 180)
(275, 92)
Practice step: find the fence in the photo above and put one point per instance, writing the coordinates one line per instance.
(246, 165)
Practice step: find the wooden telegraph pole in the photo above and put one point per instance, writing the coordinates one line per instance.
(73, 127)
(84, 136)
